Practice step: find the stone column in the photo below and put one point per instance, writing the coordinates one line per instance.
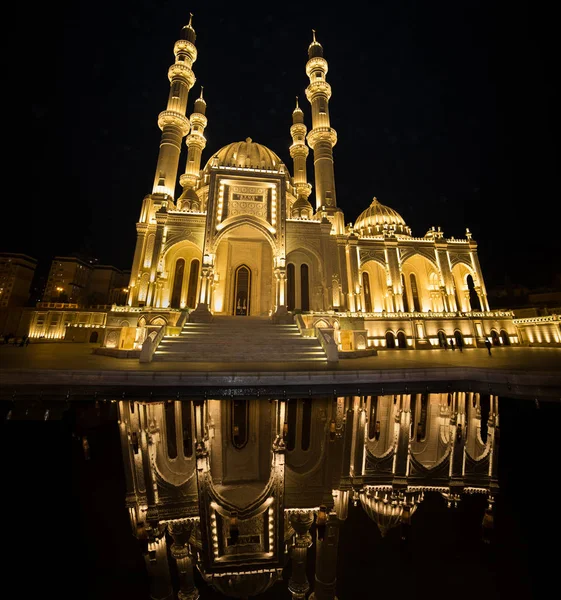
(298, 584)
(326, 561)
(181, 531)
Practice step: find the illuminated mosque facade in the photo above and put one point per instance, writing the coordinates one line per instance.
(246, 238)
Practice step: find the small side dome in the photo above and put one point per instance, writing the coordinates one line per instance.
(378, 219)
(386, 509)
(301, 209)
(189, 201)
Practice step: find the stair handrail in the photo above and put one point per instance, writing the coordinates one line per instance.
(328, 344)
(300, 322)
(150, 344)
(182, 318)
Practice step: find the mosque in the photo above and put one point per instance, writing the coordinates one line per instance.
(247, 238)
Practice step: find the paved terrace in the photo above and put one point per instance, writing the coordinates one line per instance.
(73, 370)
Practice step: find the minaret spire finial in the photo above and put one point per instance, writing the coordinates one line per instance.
(201, 97)
(297, 102)
(190, 19)
(314, 34)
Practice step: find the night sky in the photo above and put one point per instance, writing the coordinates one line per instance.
(444, 112)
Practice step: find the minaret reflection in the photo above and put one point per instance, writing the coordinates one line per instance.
(242, 489)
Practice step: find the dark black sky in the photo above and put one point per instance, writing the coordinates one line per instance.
(444, 111)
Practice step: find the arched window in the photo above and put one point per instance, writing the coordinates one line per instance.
(442, 341)
(306, 423)
(415, 292)
(187, 428)
(401, 340)
(406, 305)
(290, 287)
(290, 422)
(366, 289)
(495, 338)
(372, 417)
(421, 431)
(304, 288)
(390, 340)
(505, 338)
(240, 423)
(485, 407)
(473, 297)
(171, 436)
(193, 284)
(177, 283)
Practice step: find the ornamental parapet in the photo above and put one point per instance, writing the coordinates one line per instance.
(322, 134)
(527, 320)
(187, 47)
(318, 87)
(414, 315)
(174, 119)
(180, 69)
(315, 63)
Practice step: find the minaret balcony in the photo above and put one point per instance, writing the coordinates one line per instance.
(316, 63)
(318, 87)
(187, 47)
(181, 71)
(171, 118)
(322, 134)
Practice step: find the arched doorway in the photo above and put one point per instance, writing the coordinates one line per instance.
(401, 340)
(495, 338)
(242, 289)
(442, 342)
(459, 339)
(93, 337)
(390, 340)
(505, 337)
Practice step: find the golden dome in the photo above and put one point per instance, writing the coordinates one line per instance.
(378, 218)
(248, 154)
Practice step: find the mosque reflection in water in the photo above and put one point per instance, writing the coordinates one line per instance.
(236, 488)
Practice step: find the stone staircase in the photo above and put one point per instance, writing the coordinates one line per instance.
(239, 339)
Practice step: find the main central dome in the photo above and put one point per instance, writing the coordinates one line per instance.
(248, 155)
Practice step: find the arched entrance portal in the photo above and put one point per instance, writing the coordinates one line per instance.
(243, 280)
(242, 291)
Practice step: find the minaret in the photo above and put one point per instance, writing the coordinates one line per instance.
(196, 143)
(322, 137)
(299, 152)
(172, 121)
